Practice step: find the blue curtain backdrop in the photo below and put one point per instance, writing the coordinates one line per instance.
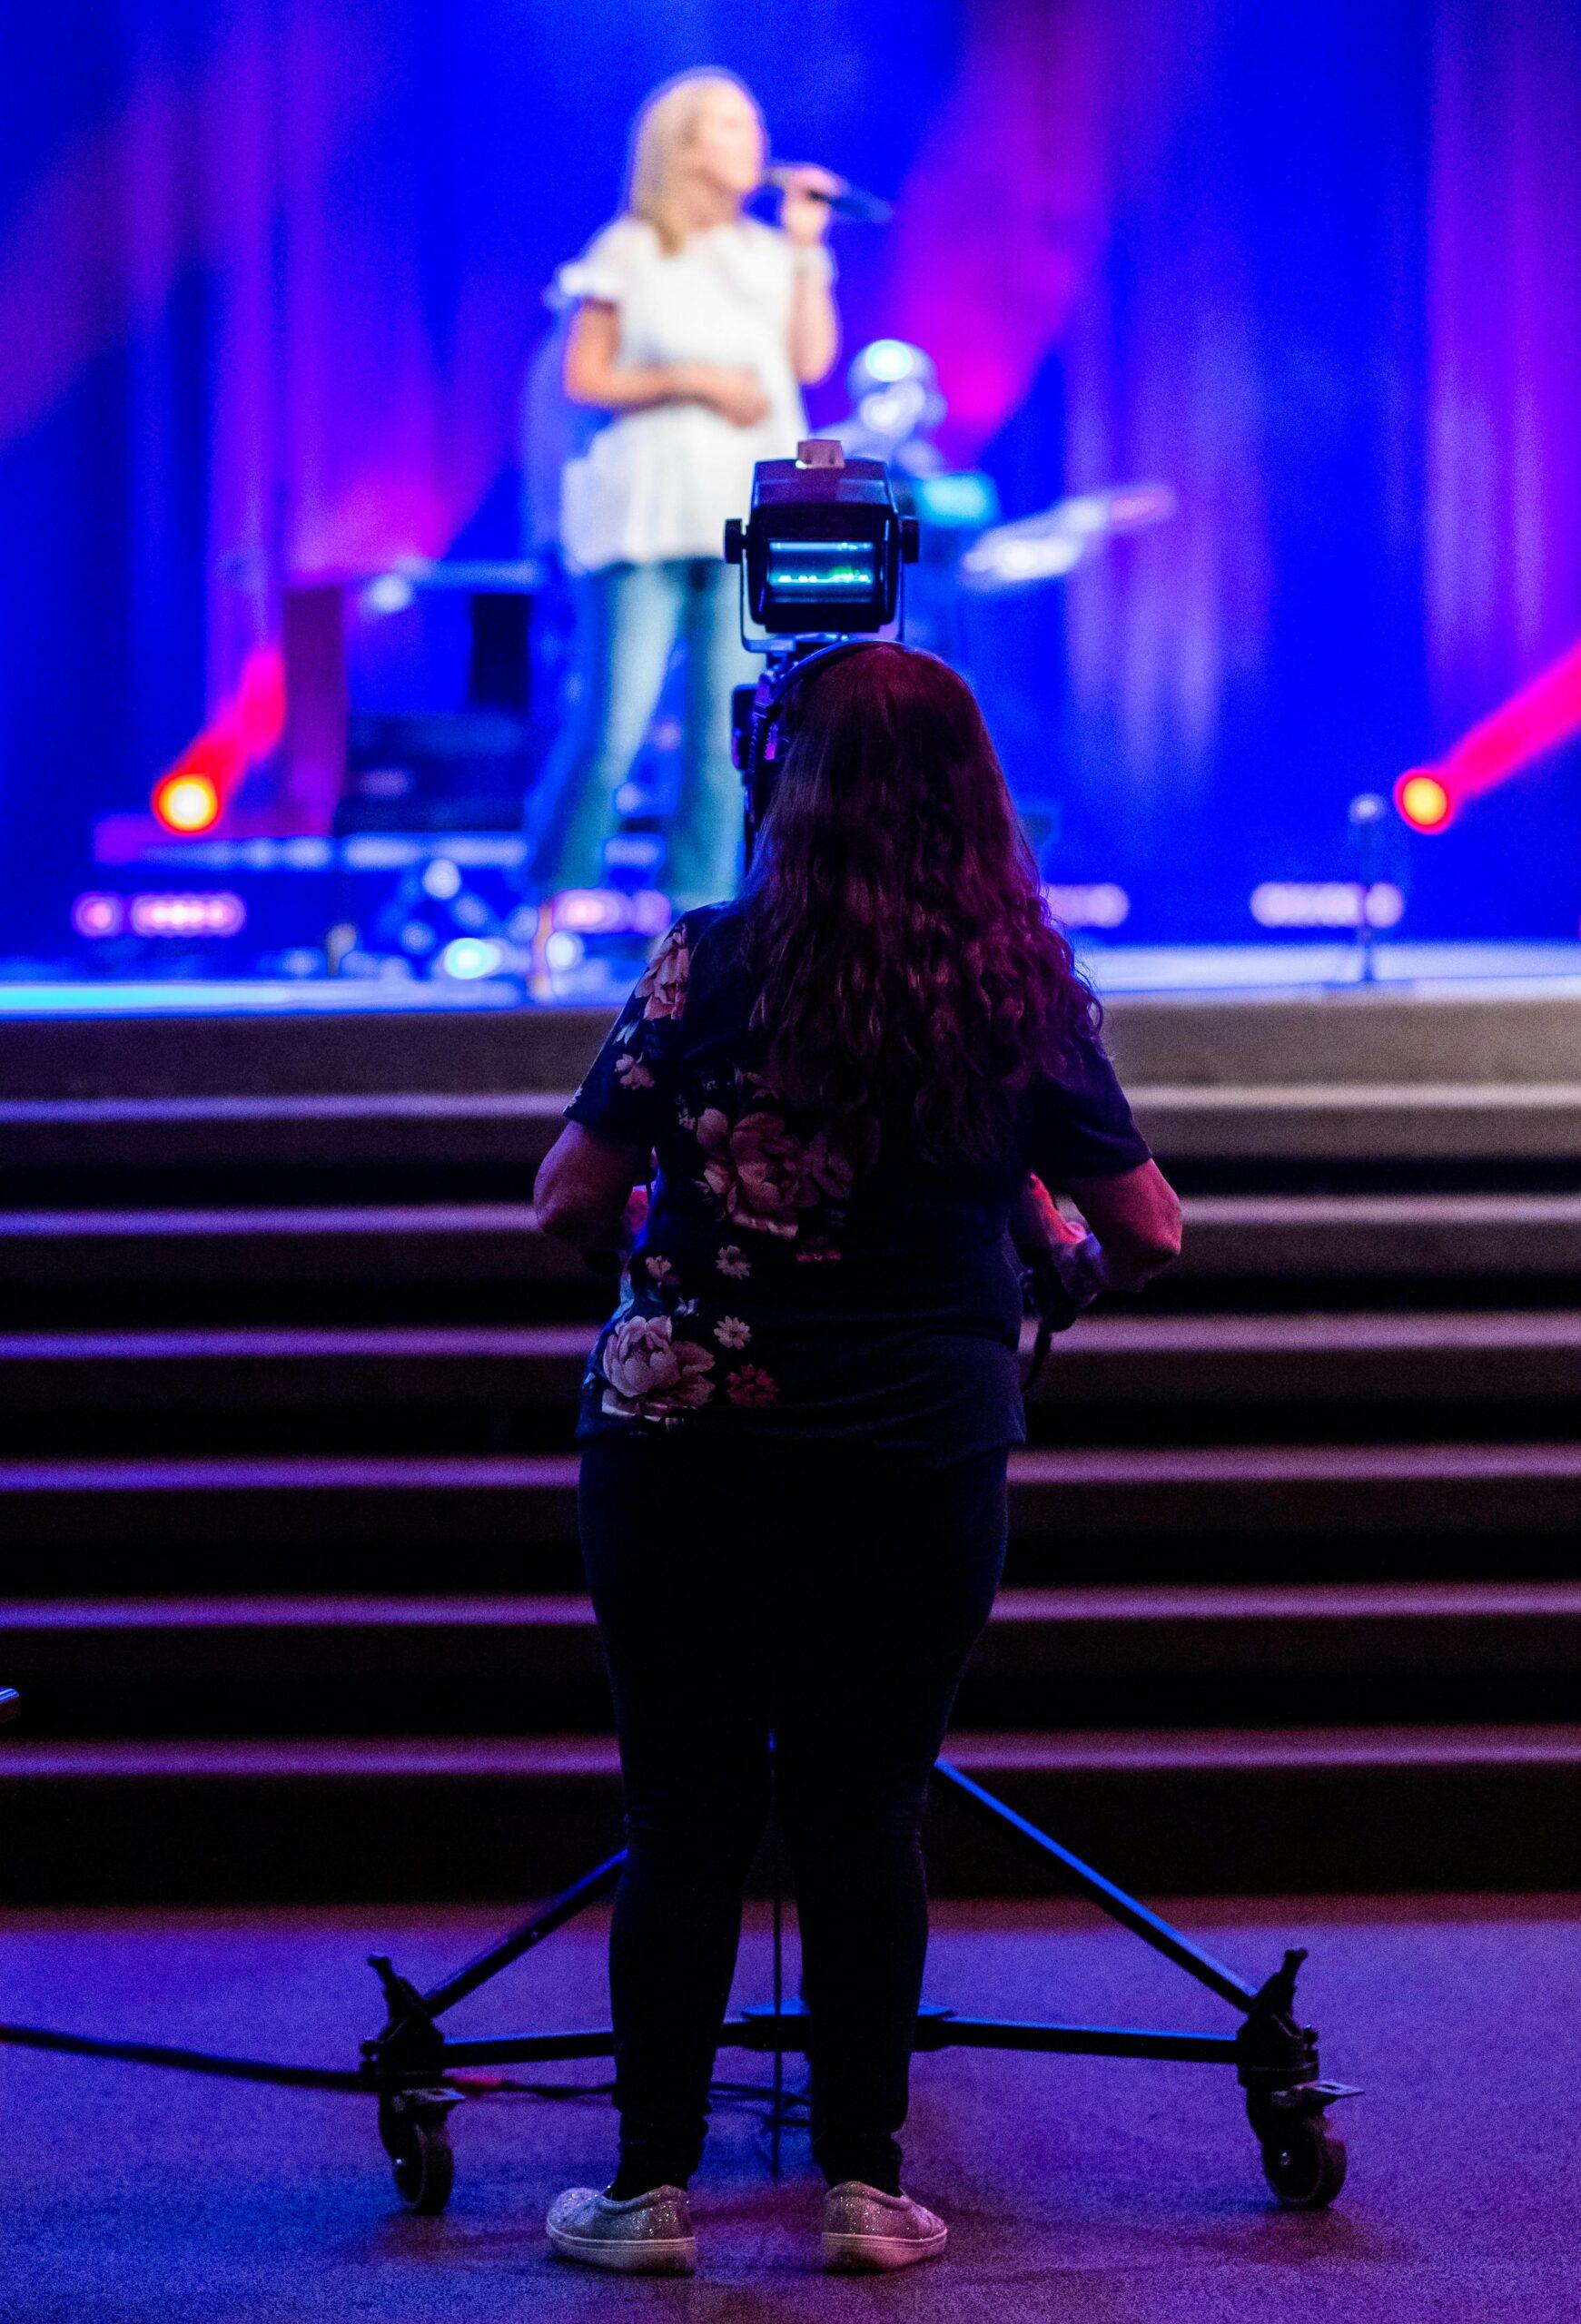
(271, 273)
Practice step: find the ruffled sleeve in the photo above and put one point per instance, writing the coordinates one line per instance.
(604, 267)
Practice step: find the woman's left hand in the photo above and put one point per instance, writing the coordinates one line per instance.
(802, 215)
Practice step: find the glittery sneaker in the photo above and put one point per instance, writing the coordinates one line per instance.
(865, 2229)
(648, 2235)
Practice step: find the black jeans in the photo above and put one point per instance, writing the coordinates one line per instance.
(831, 1599)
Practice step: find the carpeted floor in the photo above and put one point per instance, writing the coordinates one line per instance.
(1110, 2192)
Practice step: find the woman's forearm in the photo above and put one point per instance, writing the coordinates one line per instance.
(815, 327)
(630, 386)
(594, 375)
(1137, 1218)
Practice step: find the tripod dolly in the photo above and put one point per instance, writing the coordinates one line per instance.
(418, 2075)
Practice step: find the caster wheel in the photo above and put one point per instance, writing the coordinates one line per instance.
(421, 2158)
(1303, 2162)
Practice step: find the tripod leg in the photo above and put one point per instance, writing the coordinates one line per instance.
(522, 1939)
(1121, 1907)
(778, 2099)
(777, 1852)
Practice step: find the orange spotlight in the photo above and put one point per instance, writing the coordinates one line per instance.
(1423, 801)
(186, 803)
(190, 794)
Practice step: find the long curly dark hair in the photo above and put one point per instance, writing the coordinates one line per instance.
(906, 966)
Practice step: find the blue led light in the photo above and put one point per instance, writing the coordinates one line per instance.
(466, 958)
(889, 358)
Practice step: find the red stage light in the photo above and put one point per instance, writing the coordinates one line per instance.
(1546, 711)
(186, 803)
(260, 703)
(191, 795)
(1422, 799)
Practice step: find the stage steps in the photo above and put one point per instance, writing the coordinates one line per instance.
(1292, 1596)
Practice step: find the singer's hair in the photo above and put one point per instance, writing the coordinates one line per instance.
(907, 970)
(664, 121)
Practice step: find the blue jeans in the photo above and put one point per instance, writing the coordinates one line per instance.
(823, 1595)
(629, 618)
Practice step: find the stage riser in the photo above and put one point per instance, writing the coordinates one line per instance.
(276, 1716)
(1399, 1128)
(89, 1059)
(1216, 1827)
(197, 1670)
(325, 1254)
(196, 1148)
(1511, 1037)
(1142, 1379)
(135, 1527)
(1512, 1034)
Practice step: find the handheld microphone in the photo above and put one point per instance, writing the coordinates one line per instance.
(847, 202)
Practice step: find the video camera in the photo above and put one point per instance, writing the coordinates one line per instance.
(821, 555)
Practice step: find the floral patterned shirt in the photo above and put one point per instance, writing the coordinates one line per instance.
(785, 1285)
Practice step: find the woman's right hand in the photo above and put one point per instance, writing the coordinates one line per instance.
(1037, 1223)
(736, 393)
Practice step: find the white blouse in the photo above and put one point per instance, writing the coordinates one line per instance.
(660, 483)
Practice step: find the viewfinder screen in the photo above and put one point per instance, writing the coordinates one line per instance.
(822, 569)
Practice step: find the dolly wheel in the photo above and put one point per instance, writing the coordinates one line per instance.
(421, 2157)
(1303, 2162)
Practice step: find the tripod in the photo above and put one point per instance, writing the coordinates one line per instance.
(420, 2076)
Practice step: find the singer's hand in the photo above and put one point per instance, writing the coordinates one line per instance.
(801, 215)
(736, 394)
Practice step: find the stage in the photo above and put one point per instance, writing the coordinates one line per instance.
(1430, 971)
